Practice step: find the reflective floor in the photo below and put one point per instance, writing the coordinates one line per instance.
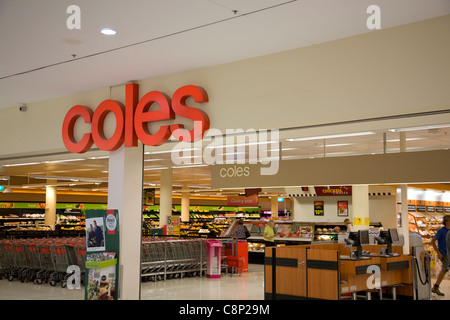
(247, 286)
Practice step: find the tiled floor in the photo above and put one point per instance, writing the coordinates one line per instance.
(248, 286)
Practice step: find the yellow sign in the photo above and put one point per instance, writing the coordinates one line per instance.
(366, 221)
(357, 221)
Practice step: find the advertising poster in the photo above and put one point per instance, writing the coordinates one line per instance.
(318, 208)
(342, 208)
(148, 197)
(95, 234)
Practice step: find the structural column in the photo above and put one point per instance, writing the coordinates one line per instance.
(50, 204)
(274, 207)
(360, 204)
(292, 208)
(404, 230)
(165, 200)
(185, 204)
(125, 195)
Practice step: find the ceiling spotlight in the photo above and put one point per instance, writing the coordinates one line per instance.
(108, 31)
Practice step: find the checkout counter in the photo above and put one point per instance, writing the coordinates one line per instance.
(338, 271)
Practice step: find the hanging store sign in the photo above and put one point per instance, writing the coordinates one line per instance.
(132, 120)
(334, 191)
(251, 201)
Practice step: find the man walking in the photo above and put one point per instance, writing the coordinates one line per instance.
(441, 249)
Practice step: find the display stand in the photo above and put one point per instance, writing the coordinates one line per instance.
(102, 255)
(102, 279)
(213, 267)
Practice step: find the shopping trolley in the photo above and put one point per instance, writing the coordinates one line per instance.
(174, 261)
(20, 262)
(60, 263)
(153, 260)
(76, 255)
(81, 260)
(6, 252)
(46, 263)
(193, 255)
(33, 260)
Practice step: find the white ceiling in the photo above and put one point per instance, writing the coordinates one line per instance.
(162, 37)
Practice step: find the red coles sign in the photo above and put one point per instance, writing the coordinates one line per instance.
(132, 119)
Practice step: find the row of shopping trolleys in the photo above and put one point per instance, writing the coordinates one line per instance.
(167, 258)
(42, 260)
(46, 260)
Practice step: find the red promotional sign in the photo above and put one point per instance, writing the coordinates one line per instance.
(237, 201)
(111, 221)
(133, 118)
(334, 191)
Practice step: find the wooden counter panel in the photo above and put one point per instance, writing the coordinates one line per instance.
(323, 273)
(290, 280)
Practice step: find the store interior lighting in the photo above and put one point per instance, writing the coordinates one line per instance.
(344, 135)
(420, 128)
(108, 31)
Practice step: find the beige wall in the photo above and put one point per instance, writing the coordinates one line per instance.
(393, 71)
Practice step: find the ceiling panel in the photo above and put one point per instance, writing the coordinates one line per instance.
(162, 37)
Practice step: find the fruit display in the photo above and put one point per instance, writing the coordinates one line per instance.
(71, 221)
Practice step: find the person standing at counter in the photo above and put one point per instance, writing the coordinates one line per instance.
(241, 231)
(348, 225)
(441, 249)
(269, 234)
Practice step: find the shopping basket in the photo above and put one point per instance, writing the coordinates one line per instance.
(236, 264)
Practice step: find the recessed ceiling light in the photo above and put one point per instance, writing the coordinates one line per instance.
(108, 31)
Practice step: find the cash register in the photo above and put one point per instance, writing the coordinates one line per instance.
(387, 238)
(358, 239)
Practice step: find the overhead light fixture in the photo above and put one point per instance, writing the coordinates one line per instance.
(336, 145)
(20, 164)
(190, 166)
(407, 139)
(421, 128)
(344, 135)
(173, 150)
(65, 160)
(108, 31)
